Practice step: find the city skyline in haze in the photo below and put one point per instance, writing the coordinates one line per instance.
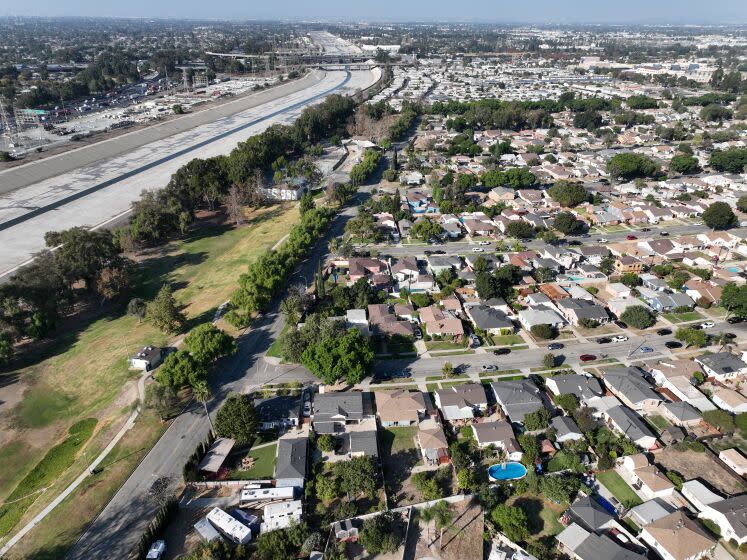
(474, 11)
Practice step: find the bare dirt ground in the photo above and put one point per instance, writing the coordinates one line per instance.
(691, 464)
(461, 541)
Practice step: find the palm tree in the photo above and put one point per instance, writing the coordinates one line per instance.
(427, 514)
(443, 517)
(201, 393)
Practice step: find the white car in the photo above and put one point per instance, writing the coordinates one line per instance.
(603, 240)
(156, 550)
(483, 242)
(708, 325)
(478, 250)
(619, 338)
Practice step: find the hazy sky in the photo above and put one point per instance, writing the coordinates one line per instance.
(551, 11)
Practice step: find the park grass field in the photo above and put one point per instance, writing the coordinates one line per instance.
(84, 373)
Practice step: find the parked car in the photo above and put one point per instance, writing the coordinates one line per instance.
(664, 332)
(307, 408)
(587, 357)
(474, 340)
(418, 334)
(488, 367)
(672, 344)
(645, 229)
(502, 351)
(478, 250)
(156, 550)
(604, 340)
(734, 320)
(708, 325)
(664, 233)
(555, 346)
(603, 240)
(645, 349)
(483, 243)
(619, 338)
(631, 237)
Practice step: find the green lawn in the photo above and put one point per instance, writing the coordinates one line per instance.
(499, 372)
(394, 440)
(619, 488)
(443, 345)
(658, 421)
(542, 514)
(442, 378)
(431, 387)
(507, 340)
(455, 352)
(264, 464)
(683, 317)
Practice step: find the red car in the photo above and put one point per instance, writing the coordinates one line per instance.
(587, 357)
(631, 237)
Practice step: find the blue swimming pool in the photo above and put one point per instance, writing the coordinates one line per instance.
(507, 471)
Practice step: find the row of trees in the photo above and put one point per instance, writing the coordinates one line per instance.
(365, 168)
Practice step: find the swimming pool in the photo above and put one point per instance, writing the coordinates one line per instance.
(507, 471)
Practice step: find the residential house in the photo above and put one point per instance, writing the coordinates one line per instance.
(439, 322)
(361, 439)
(628, 385)
(364, 267)
(681, 414)
(731, 517)
(734, 459)
(517, 398)
(677, 537)
(490, 320)
(624, 265)
(278, 412)
(728, 399)
(399, 407)
(722, 366)
(290, 463)
(461, 402)
(500, 435)
(675, 377)
(333, 411)
(384, 322)
(661, 301)
(702, 291)
(438, 263)
(580, 544)
(647, 478)
(626, 422)
(588, 513)
(147, 358)
(540, 315)
(432, 442)
(649, 511)
(578, 310)
(281, 515)
(583, 386)
(566, 429)
(618, 290)
(699, 495)
(653, 282)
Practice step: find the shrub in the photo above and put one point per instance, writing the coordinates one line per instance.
(543, 332)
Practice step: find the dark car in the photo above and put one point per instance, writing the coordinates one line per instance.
(664, 332)
(587, 357)
(664, 233)
(428, 252)
(604, 340)
(502, 351)
(729, 335)
(697, 327)
(621, 324)
(673, 344)
(646, 229)
(631, 237)
(734, 320)
(555, 346)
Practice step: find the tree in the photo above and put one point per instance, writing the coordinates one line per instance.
(638, 317)
(630, 279)
(111, 282)
(201, 392)
(348, 357)
(181, 369)
(742, 203)
(732, 160)
(237, 419)
(719, 216)
(357, 476)
(447, 370)
(164, 312)
(326, 487)
(326, 442)
(443, 517)
(537, 420)
(684, 164)
(426, 229)
(281, 544)
(235, 200)
(629, 165)
(714, 112)
(549, 360)
(138, 308)
(306, 203)
(531, 448)
(207, 343)
(568, 402)
(692, 337)
(568, 194)
(566, 222)
(162, 399)
(676, 478)
(677, 279)
(379, 534)
(734, 299)
(543, 332)
(520, 229)
(559, 488)
(512, 521)
(426, 484)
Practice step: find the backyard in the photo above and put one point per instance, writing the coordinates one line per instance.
(619, 488)
(263, 467)
(691, 464)
(542, 514)
(399, 456)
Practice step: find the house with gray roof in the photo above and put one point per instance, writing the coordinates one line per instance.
(490, 320)
(650, 511)
(540, 315)
(588, 513)
(566, 429)
(583, 386)
(722, 366)
(628, 385)
(363, 443)
(662, 301)
(517, 398)
(500, 435)
(332, 411)
(653, 282)
(581, 544)
(438, 263)
(290, 465)
(278, 412)
(680, 413)
(626, 422)
(731, 517)
(460, 402)
(575, 310)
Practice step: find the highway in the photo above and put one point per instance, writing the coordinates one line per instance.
(100, 192)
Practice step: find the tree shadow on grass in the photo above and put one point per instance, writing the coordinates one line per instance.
(532, 507)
